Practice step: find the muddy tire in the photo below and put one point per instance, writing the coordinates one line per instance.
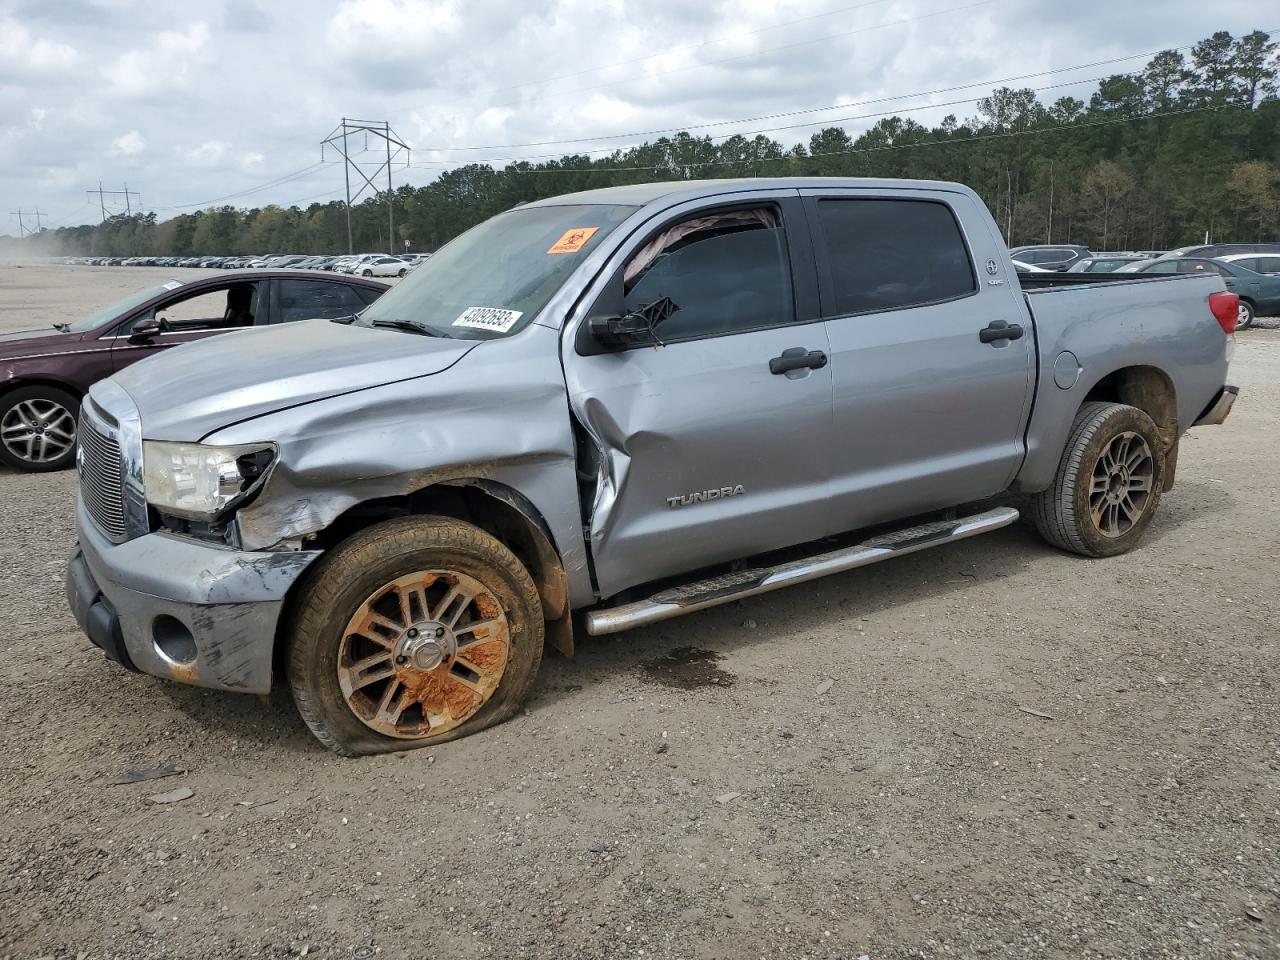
(414, 632)
(1108, 483)
(38, 428)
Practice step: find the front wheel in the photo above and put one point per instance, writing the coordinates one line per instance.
(413, 632)
(1108, 483)
(402, 272)
(1244, 319)
(38, 428)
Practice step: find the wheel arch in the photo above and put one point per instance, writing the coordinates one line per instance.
(1151, 390)
(18, 383)
(494, 507)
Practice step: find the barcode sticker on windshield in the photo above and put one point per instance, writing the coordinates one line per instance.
(571, 241)
(488, 318)
(173, 285)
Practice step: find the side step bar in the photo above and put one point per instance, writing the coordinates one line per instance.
(748, 583)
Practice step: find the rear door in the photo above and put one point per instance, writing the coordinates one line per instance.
(707, 451)
(927, 414)
(189, 316)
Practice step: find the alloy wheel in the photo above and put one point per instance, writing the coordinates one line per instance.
(38, 431)
(423, 653)
(1122, 483)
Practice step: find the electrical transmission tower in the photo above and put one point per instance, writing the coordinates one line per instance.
(339, 140)
(102, 204)
(22, 224)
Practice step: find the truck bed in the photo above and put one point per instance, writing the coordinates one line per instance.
(1086, 326)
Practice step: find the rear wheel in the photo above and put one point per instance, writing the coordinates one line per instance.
(1244, 319)
(413, 632)
(367, 273)
(38, 428)
(1108, 483)
(402, 272)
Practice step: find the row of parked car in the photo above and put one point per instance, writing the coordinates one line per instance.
(1251, 270)
(365, 264)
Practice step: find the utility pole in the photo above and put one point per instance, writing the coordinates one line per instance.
(338, 140)
(1049, 235)
(102, 204)
(22, 227)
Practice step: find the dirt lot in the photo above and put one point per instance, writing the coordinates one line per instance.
(1021, 754)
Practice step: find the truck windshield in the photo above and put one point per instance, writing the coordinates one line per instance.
(495, 278)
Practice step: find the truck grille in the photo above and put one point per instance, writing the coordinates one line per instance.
(101, 479)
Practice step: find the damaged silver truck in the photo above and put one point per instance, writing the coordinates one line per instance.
(603, 410)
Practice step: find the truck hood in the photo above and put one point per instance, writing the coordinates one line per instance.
(188, 392)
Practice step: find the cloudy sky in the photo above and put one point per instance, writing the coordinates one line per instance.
(228, 100)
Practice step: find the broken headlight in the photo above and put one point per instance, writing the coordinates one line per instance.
(198, 481)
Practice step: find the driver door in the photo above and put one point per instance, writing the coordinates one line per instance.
(707, 451)
(187, 317)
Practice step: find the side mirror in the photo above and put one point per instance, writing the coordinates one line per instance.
(618, 331)
(144, 330)
(622, 331)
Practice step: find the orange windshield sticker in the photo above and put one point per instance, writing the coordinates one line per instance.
(571, 241)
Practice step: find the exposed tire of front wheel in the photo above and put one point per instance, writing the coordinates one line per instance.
(1108, 483)
(414, 632)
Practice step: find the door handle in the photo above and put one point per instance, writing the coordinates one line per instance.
(999, 330)
(797, 358)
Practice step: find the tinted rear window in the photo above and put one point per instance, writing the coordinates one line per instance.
(888, 254)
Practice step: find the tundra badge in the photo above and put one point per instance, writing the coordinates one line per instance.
(702, 496)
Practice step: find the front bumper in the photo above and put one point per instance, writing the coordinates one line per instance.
(176, 608)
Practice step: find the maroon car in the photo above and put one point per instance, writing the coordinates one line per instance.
(44, 373)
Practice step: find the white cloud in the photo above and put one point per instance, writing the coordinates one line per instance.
(392, 28)
(211, 153)
(129, 144)
(167, 62)
(23, 54)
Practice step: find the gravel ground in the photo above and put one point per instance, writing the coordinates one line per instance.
(989, 749)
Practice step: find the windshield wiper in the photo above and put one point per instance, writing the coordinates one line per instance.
(411, 327)
(62, 327)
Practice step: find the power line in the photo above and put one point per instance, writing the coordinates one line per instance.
(835, 106)
(1060, 128)
(278, 181)
(830, 121)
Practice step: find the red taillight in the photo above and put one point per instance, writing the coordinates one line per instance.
(1225, 308)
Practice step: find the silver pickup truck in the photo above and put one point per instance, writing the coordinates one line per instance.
(602, 410)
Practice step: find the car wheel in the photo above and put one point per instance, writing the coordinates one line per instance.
(1108, 483)
(416, 631)
(1244, 319)
(367, 273)
(402, 272)
(38, 428)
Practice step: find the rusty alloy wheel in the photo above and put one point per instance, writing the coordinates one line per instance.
(1121, 485)
(423, 653)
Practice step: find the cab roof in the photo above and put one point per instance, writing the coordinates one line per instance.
(640, 194)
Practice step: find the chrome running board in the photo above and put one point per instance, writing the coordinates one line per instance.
(714, 591)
